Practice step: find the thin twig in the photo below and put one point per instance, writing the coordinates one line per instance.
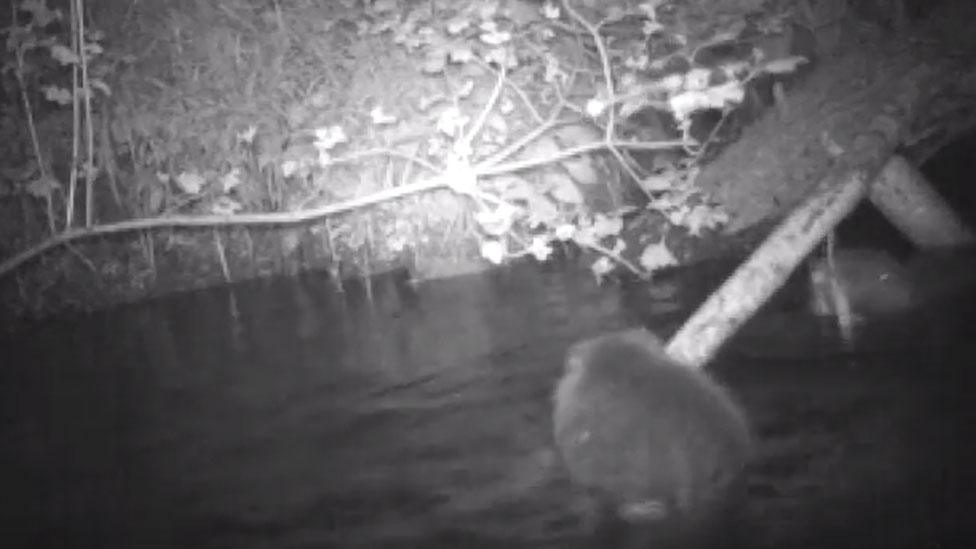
(291, 218)
(221, 255)
(89, 130)
(464, 143)
(81, 257)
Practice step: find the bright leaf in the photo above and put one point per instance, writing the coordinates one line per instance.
(540, 248)
(190, 182)
(566, 191)
(657, 256)
(493, 250)
(566, 231)
(785, 65)
(601, 268)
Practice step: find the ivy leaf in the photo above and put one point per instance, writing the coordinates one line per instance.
(64, 54)
(57, 94)
(785, 65)
(604, 225)
(658, 183)
(190, 182)
(540, 248)
(230, 180)
(542, 211)
(566, 191)
(493, 250)
(657, 256)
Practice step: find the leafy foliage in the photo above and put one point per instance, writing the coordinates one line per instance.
(519, 106)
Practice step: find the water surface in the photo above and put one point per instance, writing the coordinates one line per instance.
(284, 415)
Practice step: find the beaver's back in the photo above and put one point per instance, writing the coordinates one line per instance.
(636, 427)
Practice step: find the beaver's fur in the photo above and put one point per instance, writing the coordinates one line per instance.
(645, 436)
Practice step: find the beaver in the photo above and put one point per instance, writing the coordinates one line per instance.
(646, 438)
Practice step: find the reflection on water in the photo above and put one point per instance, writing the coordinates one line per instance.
(284, 416)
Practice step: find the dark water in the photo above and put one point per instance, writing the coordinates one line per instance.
(284, 416)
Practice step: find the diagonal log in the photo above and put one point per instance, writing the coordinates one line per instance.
(752, 284)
